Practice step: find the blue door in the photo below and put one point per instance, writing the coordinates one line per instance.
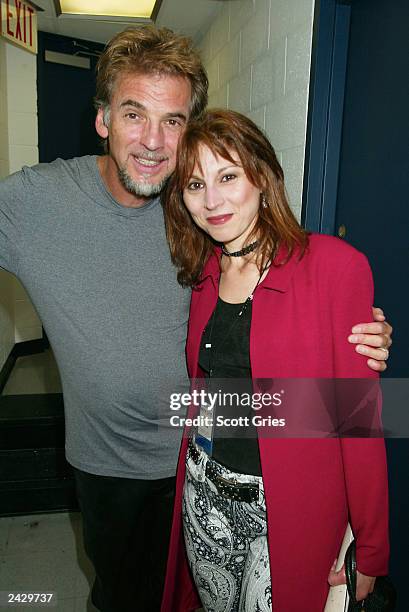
(357, 181)
(66, 115)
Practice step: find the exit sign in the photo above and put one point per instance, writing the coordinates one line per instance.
(19, 23)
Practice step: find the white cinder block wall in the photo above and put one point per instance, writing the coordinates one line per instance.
(6, 280)
(257, 54)
(6, 316)
(18, 147)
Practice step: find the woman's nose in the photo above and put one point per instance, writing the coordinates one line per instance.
(214, 198)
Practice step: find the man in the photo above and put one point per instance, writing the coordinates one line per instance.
(86, 238)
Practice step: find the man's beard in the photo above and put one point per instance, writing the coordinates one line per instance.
(144, 190)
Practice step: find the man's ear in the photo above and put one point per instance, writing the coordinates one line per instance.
(100, 126)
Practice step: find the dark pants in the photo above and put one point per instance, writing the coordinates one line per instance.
(126, 526)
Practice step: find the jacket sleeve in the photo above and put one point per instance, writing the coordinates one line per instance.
(364, 458)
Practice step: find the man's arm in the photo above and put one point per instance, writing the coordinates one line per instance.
(373, 340)
(13, 210)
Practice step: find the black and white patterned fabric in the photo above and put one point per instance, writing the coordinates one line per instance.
(226, 542)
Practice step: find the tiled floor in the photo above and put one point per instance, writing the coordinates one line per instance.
(34, 374)
(44, 553)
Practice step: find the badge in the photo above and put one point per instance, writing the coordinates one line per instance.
(204, 431)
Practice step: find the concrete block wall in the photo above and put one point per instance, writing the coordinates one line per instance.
(4, 135)
(18, 147)
(6, 316)
(21, 107)
(257, 54)
(6, 280)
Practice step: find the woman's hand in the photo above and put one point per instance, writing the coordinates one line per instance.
(373, 340)
(364, 584)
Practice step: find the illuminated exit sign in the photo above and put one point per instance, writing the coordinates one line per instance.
(19, 23)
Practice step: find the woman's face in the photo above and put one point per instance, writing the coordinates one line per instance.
(221, 199)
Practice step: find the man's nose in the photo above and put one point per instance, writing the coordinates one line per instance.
(152, 137)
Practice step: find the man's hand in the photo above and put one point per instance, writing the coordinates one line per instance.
(364, 584)
(373, 340)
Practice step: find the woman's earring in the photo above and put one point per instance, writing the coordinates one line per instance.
(264, 202)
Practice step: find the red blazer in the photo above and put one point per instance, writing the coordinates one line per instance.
(302, 314)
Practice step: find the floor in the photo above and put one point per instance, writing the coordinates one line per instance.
(44, 553)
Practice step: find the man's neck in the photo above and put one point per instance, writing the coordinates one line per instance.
(109, 175)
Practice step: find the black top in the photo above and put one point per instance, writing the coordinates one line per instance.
(229, 358)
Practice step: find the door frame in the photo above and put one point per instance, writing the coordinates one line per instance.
(329, 60)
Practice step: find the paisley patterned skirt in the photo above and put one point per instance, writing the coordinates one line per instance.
(226, 542)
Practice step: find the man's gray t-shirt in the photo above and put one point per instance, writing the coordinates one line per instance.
(101, 279)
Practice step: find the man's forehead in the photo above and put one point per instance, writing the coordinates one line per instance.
(155, 88)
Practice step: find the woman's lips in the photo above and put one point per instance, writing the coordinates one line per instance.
(219, 219)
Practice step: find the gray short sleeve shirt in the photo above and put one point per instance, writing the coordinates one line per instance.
(101, 279)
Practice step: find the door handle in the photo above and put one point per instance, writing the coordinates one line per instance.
(342, 230)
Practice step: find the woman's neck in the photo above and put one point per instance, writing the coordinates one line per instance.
(237, 265)
(238, 278)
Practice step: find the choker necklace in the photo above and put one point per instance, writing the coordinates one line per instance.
(245, 251)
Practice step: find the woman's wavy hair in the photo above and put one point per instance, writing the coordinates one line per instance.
(229, 135)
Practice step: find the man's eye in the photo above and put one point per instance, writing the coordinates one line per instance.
(194, 185)
(174, 123)
(132, 116)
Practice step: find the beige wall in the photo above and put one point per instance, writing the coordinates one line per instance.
(6, 280)
(6, 316)
(4, 134)
(257, 53)
(18, 146)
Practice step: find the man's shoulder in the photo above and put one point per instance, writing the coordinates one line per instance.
(46, 174)
(60, 168)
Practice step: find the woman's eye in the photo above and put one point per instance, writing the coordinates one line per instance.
(228, 177)
(194, 185)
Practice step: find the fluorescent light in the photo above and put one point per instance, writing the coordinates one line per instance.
(67, 60)
(109, 8)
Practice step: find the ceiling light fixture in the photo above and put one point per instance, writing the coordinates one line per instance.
(109, 9)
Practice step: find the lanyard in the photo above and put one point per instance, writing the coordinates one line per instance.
(214, 351)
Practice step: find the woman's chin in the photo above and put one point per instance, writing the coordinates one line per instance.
(218, 235)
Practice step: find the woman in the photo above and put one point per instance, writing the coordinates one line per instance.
(264, 519)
